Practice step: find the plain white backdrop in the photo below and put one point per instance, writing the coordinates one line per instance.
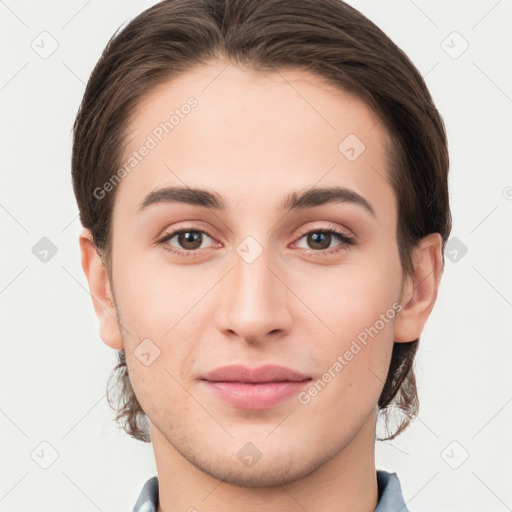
(60, 449)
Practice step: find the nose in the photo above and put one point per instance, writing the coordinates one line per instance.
(255, 303)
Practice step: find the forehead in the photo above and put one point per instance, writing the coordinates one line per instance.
(245, 133)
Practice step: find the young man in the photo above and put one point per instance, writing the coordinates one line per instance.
(263, 190)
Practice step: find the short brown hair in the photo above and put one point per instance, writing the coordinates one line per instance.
(326, 37)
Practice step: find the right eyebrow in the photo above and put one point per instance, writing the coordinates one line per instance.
(194, 196)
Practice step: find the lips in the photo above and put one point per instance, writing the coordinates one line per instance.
(258, 388)
(267, 373)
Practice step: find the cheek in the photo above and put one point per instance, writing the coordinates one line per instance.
(349, 298)
(356, 311)
(161, 312)
(159, 375)
(354, 365)
(154, 297)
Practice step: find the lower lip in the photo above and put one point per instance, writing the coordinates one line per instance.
(255, 396)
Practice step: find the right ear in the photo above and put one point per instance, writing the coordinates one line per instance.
(102, 297)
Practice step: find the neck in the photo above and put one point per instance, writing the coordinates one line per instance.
(345, 482)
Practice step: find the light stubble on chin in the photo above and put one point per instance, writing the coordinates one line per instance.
(269, 472)
(274, 472)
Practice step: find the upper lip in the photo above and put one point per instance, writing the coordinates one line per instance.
(266, 373)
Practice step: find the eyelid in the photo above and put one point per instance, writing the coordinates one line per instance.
(330, 227)
(347, 239)
(169, 235)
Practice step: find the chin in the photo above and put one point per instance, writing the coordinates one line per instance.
(270, 473)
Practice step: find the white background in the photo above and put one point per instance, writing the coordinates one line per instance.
(54, 366)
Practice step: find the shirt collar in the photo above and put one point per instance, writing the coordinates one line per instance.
(390, 494)
(148, 498)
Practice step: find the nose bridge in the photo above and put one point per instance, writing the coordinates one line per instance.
(256, 301)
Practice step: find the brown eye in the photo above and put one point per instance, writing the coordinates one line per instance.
(319, 240)
(185, 240)
(190, 239)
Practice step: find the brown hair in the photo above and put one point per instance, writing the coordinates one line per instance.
(326, 37)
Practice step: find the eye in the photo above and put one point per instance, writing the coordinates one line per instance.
(185, 241)
(320, 240)
(189, 241)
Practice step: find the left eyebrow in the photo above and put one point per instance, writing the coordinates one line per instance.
(320, 196)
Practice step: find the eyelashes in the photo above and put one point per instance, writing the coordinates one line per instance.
(192, 236)
(326, 234)
(186, 238)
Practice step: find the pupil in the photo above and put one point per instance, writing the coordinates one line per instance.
(190, 239)
(321, 237)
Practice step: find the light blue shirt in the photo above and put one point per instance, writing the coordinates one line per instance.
(390, 494)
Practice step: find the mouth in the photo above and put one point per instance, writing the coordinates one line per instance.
(259, 388)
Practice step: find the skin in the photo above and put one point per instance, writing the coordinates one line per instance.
(253, 139)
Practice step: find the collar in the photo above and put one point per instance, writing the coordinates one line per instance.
(390, 494)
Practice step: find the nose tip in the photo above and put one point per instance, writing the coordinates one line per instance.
(255, 303)
(255, 338)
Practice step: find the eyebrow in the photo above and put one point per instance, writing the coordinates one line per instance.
(193, 196)
(294, 201)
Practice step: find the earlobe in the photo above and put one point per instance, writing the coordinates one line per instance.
(99, 287)
(420, 290)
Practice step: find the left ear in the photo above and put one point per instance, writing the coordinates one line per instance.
(420, 290)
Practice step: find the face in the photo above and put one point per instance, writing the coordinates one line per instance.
(256, 275)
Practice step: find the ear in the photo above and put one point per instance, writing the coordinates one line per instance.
(419, 292)
(102, 297)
